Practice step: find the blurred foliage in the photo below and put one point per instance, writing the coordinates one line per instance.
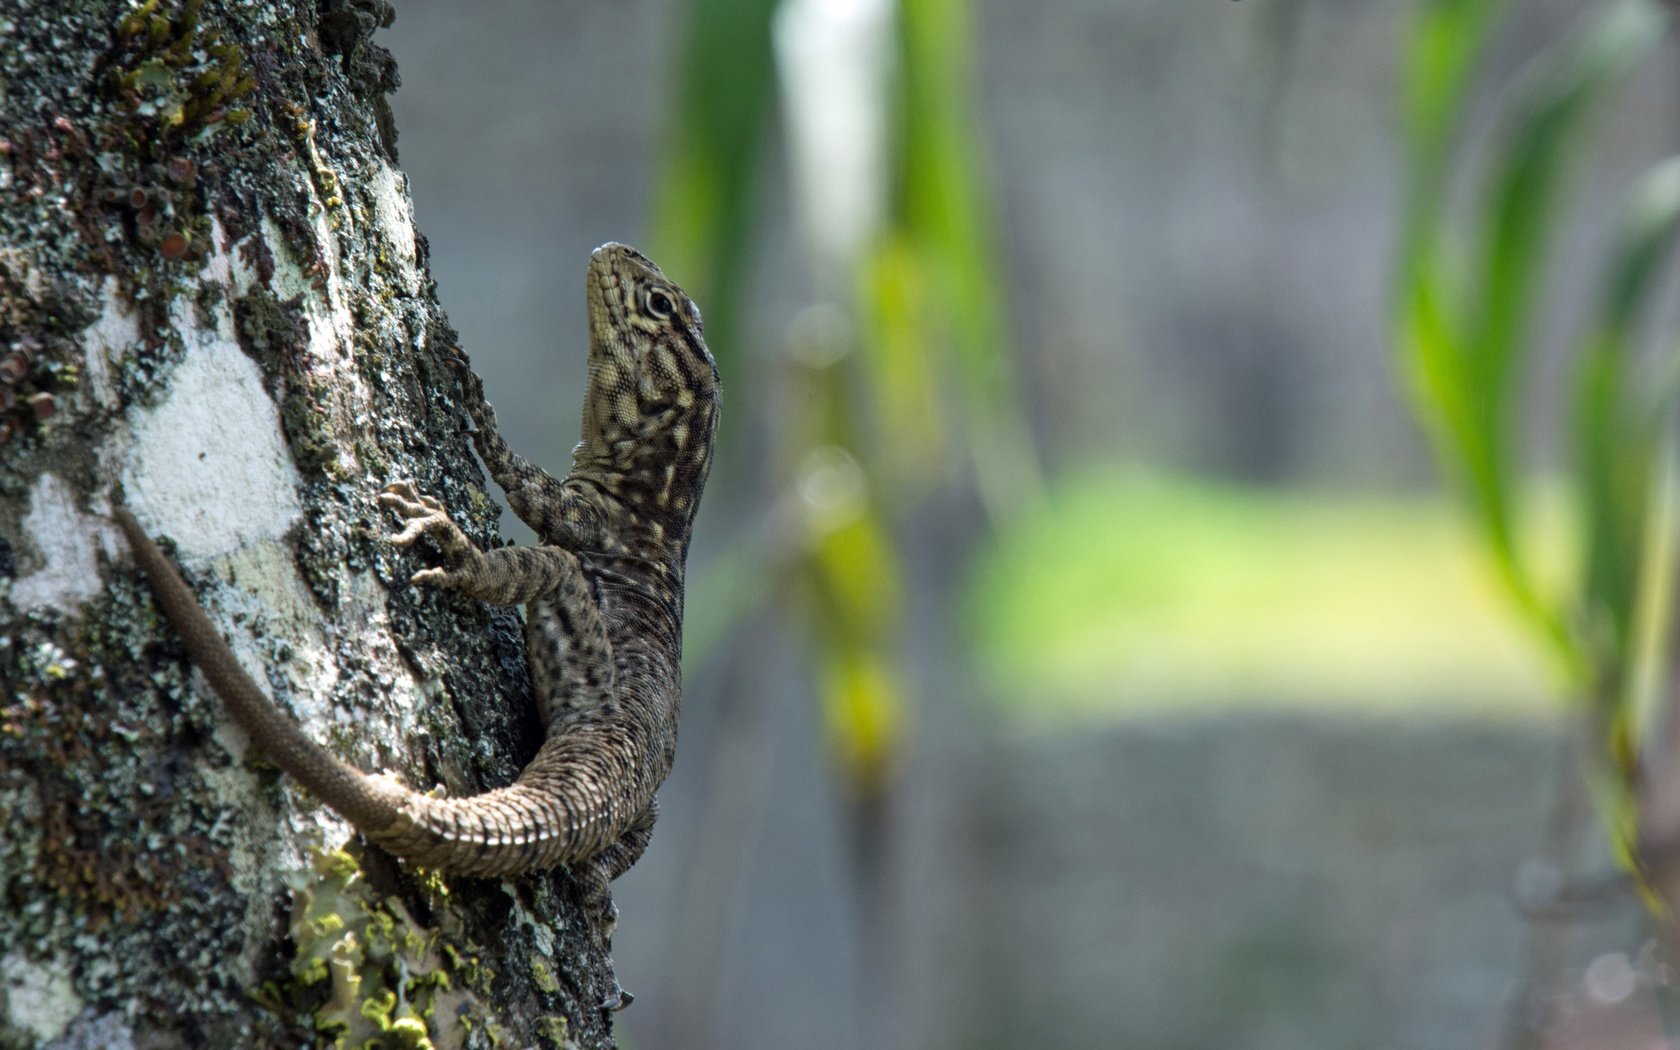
(704, 213)
(1182, 593)
(1471, 287)
(940, 230)
(899, 371)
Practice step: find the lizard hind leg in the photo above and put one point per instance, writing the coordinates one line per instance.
(596, 874)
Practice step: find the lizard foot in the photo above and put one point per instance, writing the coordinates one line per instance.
(618, 1000)
(425, 516)
(598, 904)
(471, 385)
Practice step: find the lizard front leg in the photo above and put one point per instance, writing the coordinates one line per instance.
(504, 576)
(567, 650)
(533, 494)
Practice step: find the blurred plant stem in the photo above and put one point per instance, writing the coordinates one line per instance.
(1547, 951)
(898, 371)
(1470, 294)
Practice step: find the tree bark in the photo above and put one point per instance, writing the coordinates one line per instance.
(214, 308)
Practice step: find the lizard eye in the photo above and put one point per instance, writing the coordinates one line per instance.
(659, 305)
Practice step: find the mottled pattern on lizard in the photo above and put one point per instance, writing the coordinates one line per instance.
(604, 591)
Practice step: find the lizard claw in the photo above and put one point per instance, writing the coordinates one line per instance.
(405, 499)
(426, 517)
(416, 528)
(424, 513)
(618, 999)
(430, 578)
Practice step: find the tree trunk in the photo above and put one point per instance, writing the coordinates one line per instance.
(214, 308)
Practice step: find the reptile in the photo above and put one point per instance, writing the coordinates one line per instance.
(603, 591)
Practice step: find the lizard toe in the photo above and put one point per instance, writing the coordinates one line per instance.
(399, 492)
(431, 578)
(619, 998)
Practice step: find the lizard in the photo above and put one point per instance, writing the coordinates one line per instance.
(603, 591)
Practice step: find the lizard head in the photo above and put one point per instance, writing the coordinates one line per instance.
(650, 414)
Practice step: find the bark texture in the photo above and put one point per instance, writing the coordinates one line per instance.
(214, 307)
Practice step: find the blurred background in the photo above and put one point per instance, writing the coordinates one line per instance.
(1188, 563)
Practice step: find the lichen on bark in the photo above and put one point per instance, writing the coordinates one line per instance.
(214, 307)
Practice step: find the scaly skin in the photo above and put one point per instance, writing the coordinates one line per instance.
(604, 590)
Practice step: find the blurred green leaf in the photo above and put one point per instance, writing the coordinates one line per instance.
(708, 197)
(1445, 38)
(857, 572)
(929, 302)
(852, 575)
(1523, 207)
(1644, 243)
(944, 209)
(1620, 431)
(1465, 332)
(864, 710)
(902, 373)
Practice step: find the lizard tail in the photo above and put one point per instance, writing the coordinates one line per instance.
(541, 820)
(370, 803)
(536, 823)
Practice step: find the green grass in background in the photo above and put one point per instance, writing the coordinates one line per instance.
(1130, 593)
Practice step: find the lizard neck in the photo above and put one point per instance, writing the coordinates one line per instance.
(652, 480)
